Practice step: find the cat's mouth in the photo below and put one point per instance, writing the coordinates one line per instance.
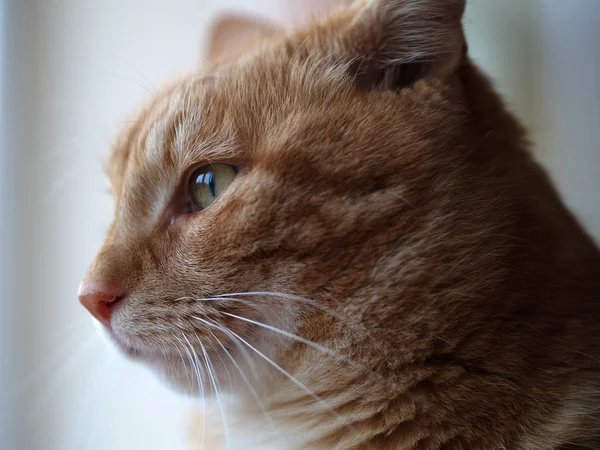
(171, 368)
(130, 350)
(140, 351)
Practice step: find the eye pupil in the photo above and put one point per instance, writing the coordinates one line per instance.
(209, 182)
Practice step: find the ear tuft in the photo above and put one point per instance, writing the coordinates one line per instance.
(393, 43)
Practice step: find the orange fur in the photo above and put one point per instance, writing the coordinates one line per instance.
(384, 183)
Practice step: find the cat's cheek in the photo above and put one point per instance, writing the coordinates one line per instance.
(184, 224)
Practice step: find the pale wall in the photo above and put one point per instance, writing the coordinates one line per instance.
(71, 72)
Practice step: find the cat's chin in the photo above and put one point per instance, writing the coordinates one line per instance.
(123, 347)
(174, 379)
(168, 368)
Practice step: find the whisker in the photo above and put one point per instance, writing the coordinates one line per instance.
(185, 366)
(196, 366)
(288, 297)
(216, 299)
(310, 343)
(217, 393)
(139, 72)
(234, 362)
(404, 199)
(131, 80)
(294, 380)
(188, 93)
(61, 376)
(222, 361)
(188, 377)
(242, 349)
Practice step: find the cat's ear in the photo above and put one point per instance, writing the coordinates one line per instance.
(232, 35)
(390, 44)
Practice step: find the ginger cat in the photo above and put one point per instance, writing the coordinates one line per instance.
(340, 237)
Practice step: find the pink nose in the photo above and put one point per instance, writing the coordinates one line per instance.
(100, 300)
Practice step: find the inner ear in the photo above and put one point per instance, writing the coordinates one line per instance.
(393, 77)
(391, 44)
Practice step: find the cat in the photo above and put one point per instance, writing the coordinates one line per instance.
(339, 235)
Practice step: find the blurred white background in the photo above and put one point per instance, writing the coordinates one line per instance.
(70, 73)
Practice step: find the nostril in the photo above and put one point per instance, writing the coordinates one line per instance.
(111, 305)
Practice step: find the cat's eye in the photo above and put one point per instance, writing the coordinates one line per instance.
(210, 181)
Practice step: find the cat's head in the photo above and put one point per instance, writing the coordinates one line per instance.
(304, 187)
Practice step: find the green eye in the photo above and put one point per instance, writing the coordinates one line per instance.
(210, 181)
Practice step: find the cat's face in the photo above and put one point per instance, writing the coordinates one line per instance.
(323, 170)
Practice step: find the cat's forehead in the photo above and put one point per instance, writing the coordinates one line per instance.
(219, 117)
(169, 131)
